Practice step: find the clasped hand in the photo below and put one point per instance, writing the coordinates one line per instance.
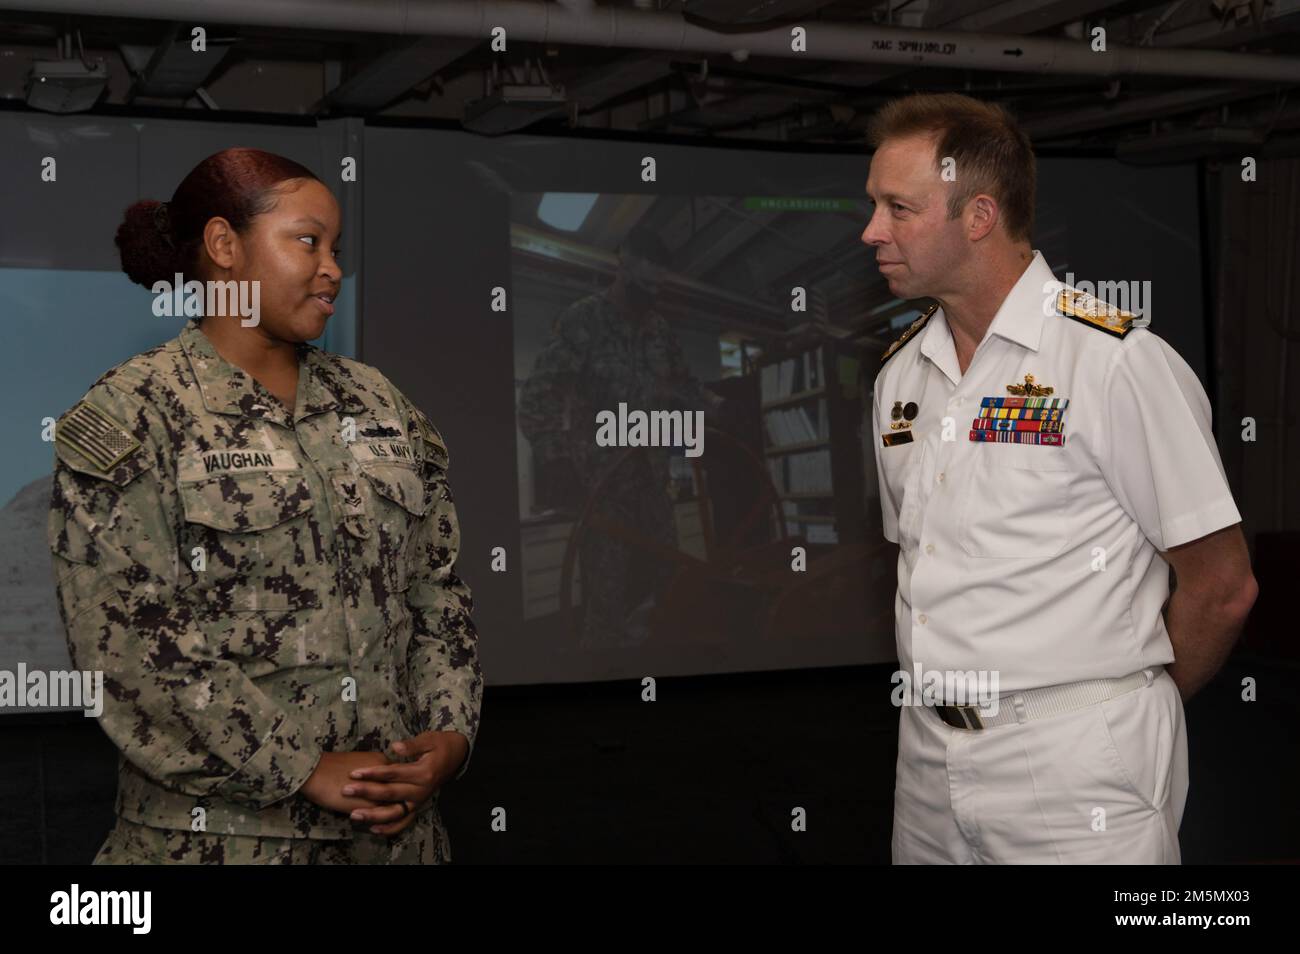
(373, 789)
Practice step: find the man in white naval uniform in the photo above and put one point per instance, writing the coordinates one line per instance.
(1042, 462)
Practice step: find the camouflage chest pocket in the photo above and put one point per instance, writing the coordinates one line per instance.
(258, 540)
(398, 505)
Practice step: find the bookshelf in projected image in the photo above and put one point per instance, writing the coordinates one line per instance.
(811, 409)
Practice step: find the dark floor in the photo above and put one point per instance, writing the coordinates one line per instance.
(708, 773)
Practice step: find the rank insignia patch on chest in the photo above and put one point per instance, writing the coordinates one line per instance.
(1021, 420)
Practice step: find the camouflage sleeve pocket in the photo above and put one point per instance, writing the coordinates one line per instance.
(81, 587)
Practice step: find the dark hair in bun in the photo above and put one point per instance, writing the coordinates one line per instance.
(156, 240)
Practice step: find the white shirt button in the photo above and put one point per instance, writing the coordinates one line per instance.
(940, 477)
(929, 548)
(921, 619)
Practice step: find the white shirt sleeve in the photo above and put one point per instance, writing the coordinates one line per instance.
(1157, 451)
(888, 507)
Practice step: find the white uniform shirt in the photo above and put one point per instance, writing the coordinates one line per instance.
(1040, 562)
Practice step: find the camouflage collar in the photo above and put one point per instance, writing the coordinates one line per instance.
(228, 389)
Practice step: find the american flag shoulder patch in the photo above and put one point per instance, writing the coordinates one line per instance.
(96, 435)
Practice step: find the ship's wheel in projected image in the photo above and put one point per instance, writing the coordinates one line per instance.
(744, 585)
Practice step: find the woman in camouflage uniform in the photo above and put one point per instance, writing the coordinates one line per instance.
(254, 540)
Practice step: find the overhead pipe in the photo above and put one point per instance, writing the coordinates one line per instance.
(577, 23)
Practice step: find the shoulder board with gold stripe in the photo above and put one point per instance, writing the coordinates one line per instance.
(912, 329)
(1097, 314)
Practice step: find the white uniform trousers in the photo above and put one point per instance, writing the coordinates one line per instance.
(1104, 784)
